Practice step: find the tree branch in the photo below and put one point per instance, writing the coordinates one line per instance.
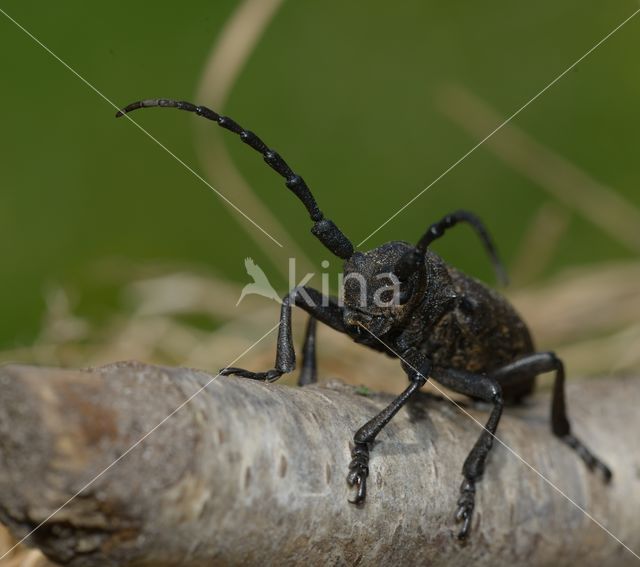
(248, 473)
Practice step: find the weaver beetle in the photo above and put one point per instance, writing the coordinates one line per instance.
(444, 325)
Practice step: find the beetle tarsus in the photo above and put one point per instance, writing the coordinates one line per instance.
(593, 463)
(359, 471)
(267, 376)
(466, 504)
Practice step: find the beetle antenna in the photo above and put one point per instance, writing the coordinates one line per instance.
(415, 258)
(323, 229)
(437, 229)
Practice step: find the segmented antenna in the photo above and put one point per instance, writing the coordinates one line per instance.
(324, 229)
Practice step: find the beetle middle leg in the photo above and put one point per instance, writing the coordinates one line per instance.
(546, 362)
(417, 368)
(488, 389)
(309, 370)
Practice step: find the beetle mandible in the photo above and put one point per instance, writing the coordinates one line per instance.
(444, 325)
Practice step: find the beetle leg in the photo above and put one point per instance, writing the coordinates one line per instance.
(546, 362)
(319, 307)
(417, 369)
(309, 370)
(488, 389)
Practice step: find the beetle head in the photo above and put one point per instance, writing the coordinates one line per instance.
(374, 295)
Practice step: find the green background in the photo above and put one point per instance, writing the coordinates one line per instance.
(344, 90)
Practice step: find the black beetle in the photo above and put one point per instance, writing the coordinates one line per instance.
(438, 321)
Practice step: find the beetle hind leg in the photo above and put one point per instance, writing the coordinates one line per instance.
(546, 362)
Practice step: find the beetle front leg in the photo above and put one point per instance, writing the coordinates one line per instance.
(417, 370)
(313, 302)
(285, 354)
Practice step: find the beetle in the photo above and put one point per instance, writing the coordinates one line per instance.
(440, 324)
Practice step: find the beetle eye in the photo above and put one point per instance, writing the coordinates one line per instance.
(406, 265)
(405, 268)
(405, 294)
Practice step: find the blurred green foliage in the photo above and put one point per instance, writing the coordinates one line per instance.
(344, 90)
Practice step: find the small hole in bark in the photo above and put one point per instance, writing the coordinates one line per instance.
(282, 470)
(247, 477)
(327, 473)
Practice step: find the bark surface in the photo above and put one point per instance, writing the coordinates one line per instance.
(252, 473)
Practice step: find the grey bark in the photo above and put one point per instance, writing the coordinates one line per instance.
(250, 473)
